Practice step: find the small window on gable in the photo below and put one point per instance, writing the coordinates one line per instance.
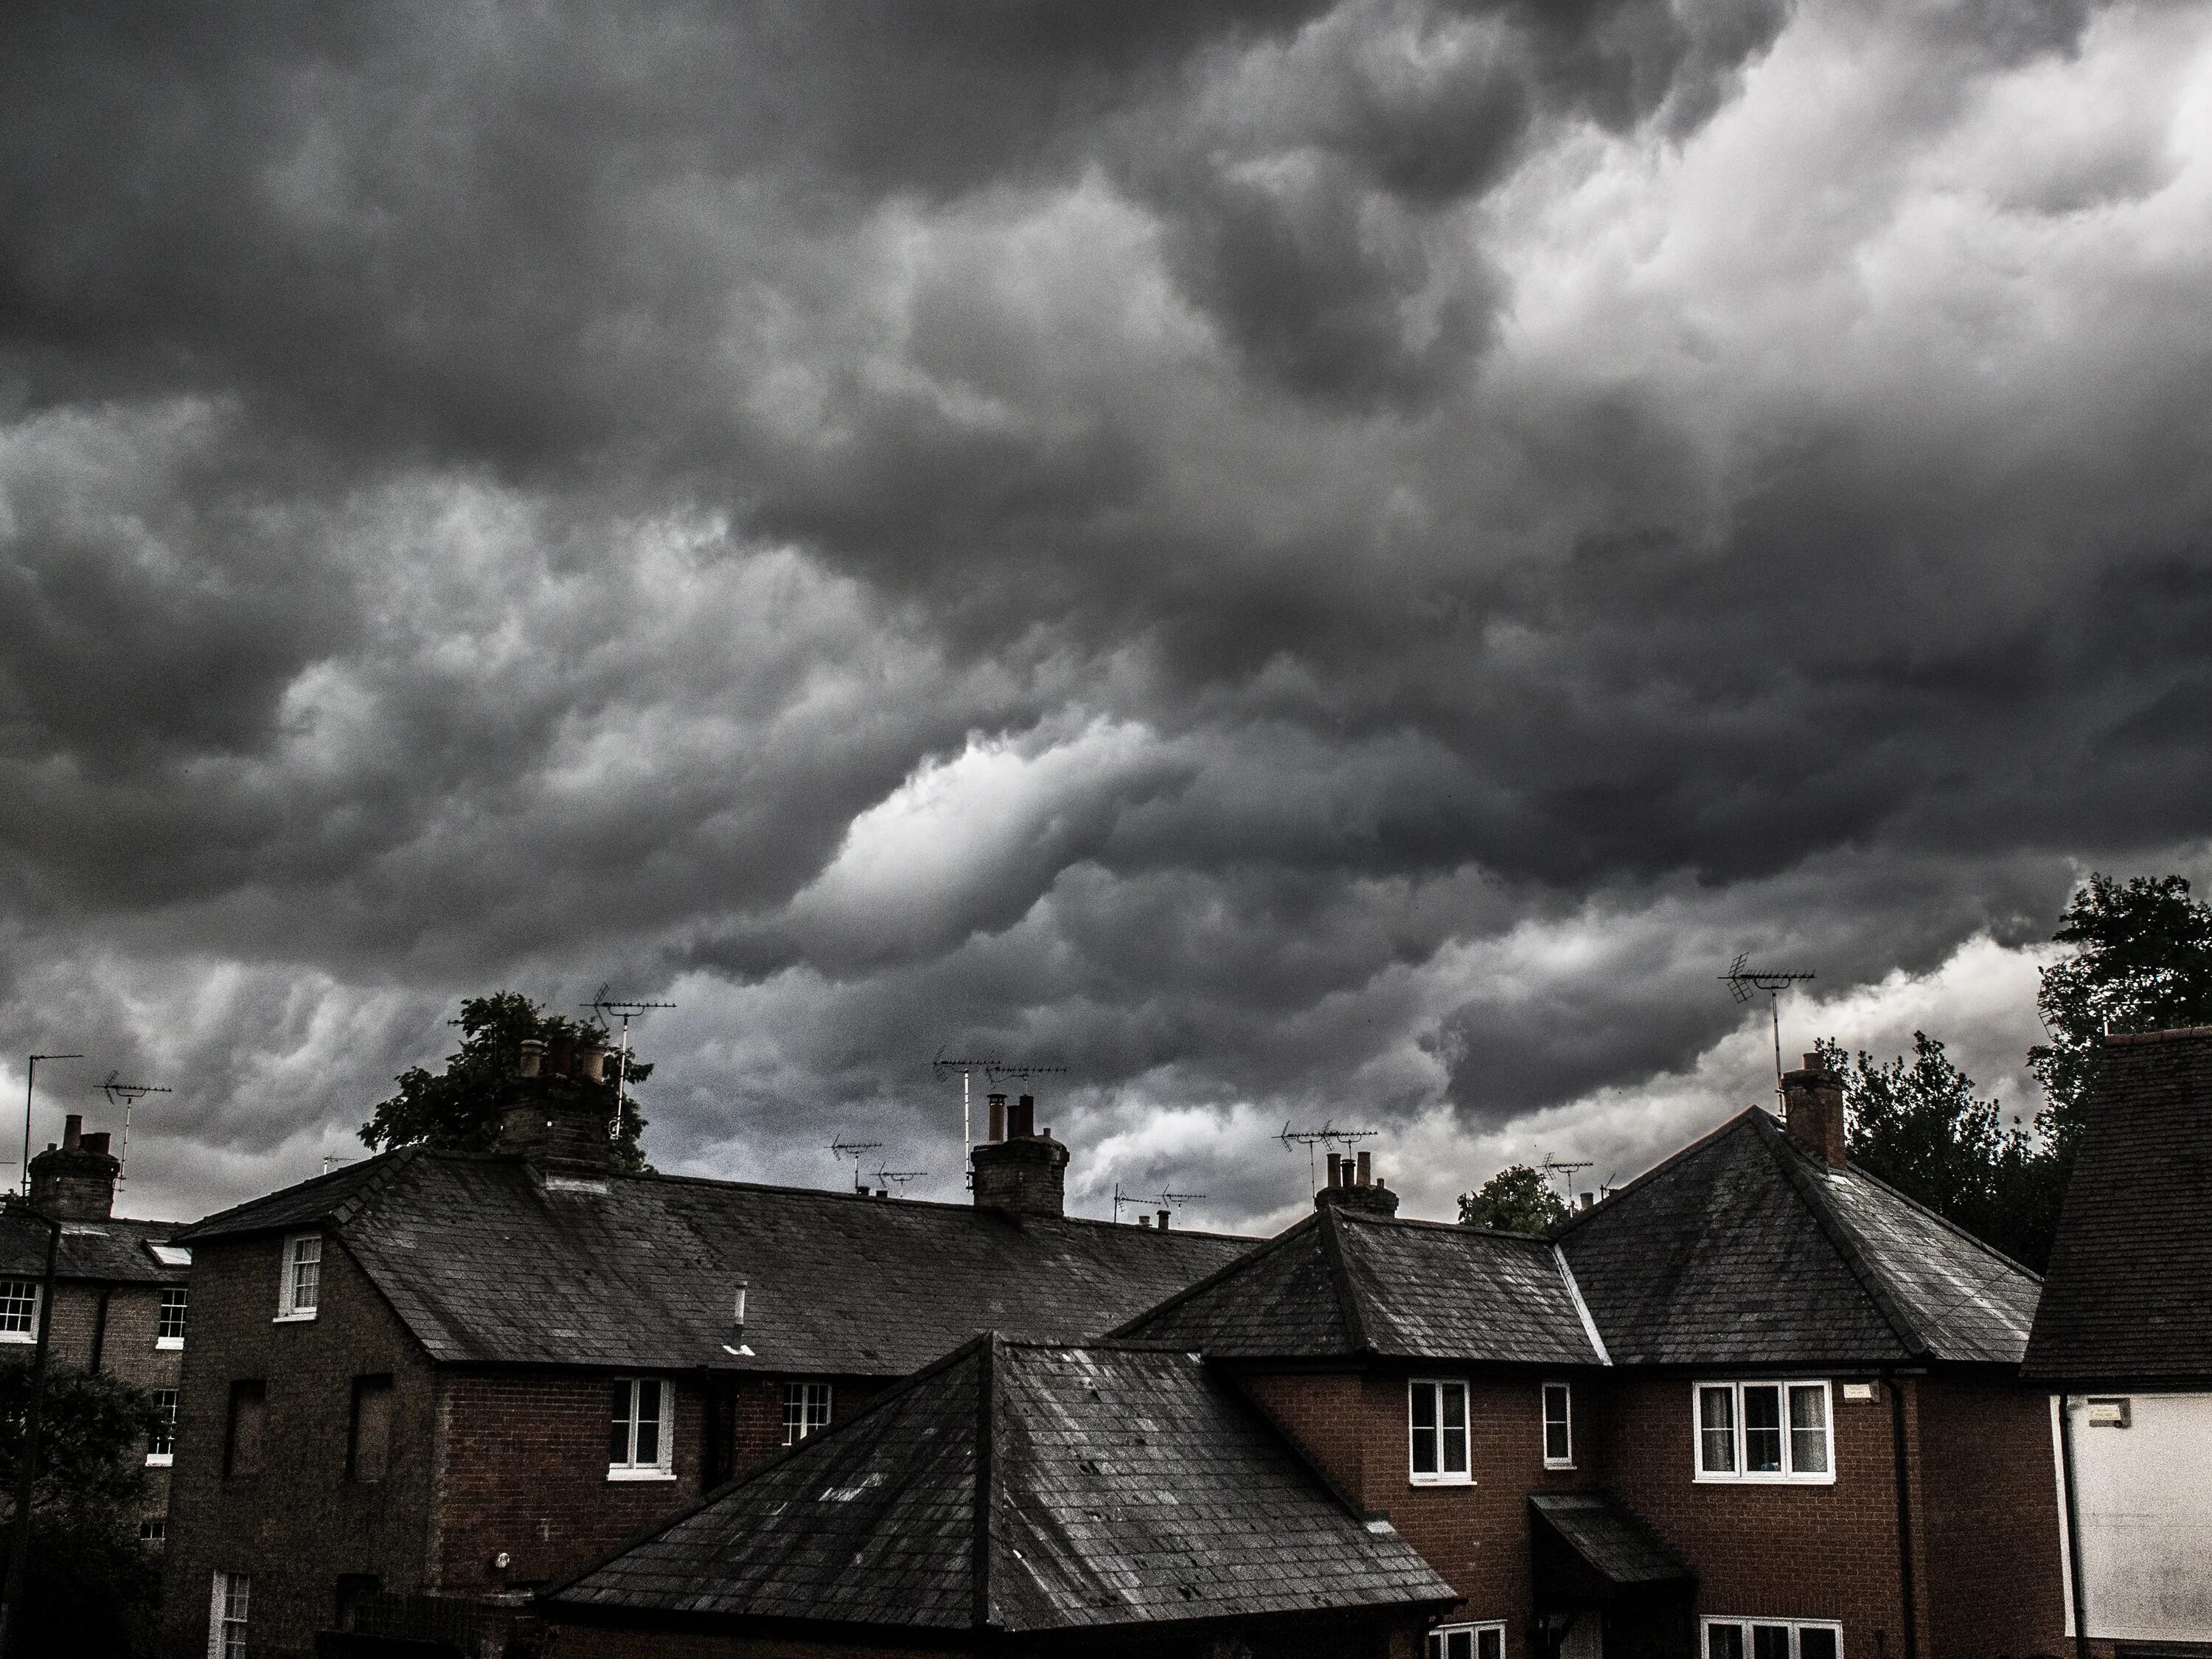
(368, 1431)
(805, 1409)
(18, 1310)
(299, 1287)
(640, 1432)
(1559, 1426)
(1436, 1414)
(1468, 1642)
(1764, 1431)
(169, 1323)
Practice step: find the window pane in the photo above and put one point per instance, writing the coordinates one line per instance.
(171, 1327)
(1808, 1429)
(162, 1443)
(1724, 1641)
(1815, 1641)
(1716, 1432)
(1461, 1644)
(1762, 1434)
(1490, 1644)
(1454, 1414)
(1424, 1399)
(1769, 1641)
(19, 1300)
(618, 1436)
(1557, 1447)
(648, 1425)
(1436, 1646)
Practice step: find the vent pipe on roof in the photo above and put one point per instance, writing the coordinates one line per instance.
(1164, 1216)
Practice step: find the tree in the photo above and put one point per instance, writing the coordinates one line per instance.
(1516, 1199)
(459, 1106)
(92, 1587)
(1921, 1126)
(2143, 959)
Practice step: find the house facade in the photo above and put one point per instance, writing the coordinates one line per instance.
(2123, 1347)
(424, 1386)
(122, 1290)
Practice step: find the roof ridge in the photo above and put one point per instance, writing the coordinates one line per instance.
(1842, 1237)
(1339, 1278)
(403, 1157)
(1718, 1132)
(1367, 1219)
(1223, 1272)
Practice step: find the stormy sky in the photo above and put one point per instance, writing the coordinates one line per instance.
(1303, 562)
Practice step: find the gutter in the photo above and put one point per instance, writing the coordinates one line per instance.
(1907, 1587)
(2071, 1498)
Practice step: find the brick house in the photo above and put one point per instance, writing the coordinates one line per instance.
(1757, 1404)
(121, 1288)
(1045, 1500)
(461, 1376)
(2123, 1347)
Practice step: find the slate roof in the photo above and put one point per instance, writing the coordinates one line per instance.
(2128, 1298)
(107, 1252)
(1745, 1249)
(1029, 1488)
(488, 1262)
(1347, 1284)
(1614, 1542)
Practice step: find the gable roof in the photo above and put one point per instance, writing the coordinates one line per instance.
(486, 1260)
(1745, 1248)
(1027, 1488)
(1344, 1283)
(113, 1250)
(2128, 1294)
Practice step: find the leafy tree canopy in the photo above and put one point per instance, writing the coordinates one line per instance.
(459, 1106)
(1515, 1200)
(92, 1439)
(2143, 959)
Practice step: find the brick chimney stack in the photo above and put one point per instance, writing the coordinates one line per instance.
(1024, 1173)
(75, 1181)
(559, 1105)
(1351, 1186)
(1813, 1110)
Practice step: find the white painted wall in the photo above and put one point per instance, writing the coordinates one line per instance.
(2144, 1496)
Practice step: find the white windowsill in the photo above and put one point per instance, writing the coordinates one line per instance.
(171, 1343)
(1568, 1465)
(1440, 1479)
(640, 1474)
(18, 1336)
(1828, 1480)
(160, 1459)
(299, 1318)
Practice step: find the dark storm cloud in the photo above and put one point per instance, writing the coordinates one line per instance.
(1292, 558)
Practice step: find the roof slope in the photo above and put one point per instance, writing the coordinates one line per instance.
(2129, 1295)
(488, 1262)
(1611, 1540)
(1029, 1488)
(111, 1251)
(1744, 1249)
(1349, 1284)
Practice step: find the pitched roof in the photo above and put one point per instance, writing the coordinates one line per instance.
(1029, 1488)
(1745, 1248)
(1346, 1283)
(110, 1251)
(2128, 1294)
(489, 1261)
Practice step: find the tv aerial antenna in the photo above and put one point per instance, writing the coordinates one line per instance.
(608, 1008)
(898, 1177)
(855, 1150)
(1328, 1134)
(1150, 1200)
(993, 1070)
(1744, 983)
(30, 1088)
(1565, 1169)
(126, 1095)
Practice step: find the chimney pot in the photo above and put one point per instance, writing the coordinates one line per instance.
(1164, 1215)
(97, 1144)
(1365, 1171)
(1587, 1199)
(1144, 1221)
(1813, 1111)
(561, 1056)
(1025, 1123)
(533, 1056)
(998, 1103)
(72, 1131)
(591, 1058)
(1336, 1168)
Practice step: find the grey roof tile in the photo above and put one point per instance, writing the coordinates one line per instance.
(1612, 1540)
(1121, 1487)
(2128, 1296)
(112, 1251)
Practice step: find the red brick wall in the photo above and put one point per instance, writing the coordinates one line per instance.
(1991, 1499)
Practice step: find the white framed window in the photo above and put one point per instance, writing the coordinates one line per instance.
(639, 1441)
(300, 1286)
(1764, 1431)
(154, 1530)
(1436, 1432)
(169, 1323)
(1468, 1642)
(18, 1310)
(1559, 1426)
(227, 1617)
(1773, 1638)
(162, 1444)
(805, 1408)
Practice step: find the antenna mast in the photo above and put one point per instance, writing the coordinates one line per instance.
(128, 1094)
(606, 1007)
(1565, 1169)
(1329, 1134)
(898, 1177)
(1743, 982)
(30, 1084)
(994, 1070)
(1160, 1200)
(855, 1150)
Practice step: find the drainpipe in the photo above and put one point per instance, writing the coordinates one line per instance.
(1905, 1585)
(2074, 1572)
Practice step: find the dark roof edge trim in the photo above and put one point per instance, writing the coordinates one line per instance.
(2171, 1034)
